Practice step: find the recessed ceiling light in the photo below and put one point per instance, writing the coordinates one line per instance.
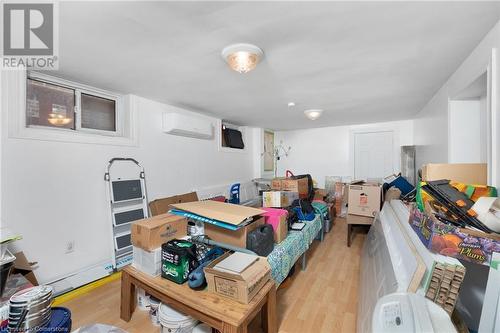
(291, 104)
(313, 114)
(242, 57)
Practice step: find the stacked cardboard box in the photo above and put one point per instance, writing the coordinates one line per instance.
(149, 234)
(467, 173)
(239, 286)
(284, 191)
(278, 199)
(278, 219)
(241, 218)
(364, 199)
(162, 206)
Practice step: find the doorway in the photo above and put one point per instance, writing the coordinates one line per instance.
(468, 124)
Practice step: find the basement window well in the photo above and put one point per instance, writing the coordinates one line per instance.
(231, 137)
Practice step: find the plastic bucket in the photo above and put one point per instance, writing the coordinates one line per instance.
(142, 300)
(60, 321)
(173, 321)
(202, 328)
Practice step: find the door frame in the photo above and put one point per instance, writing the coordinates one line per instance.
(492, 120)
(396, 154)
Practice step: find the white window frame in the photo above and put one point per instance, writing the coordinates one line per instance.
(79, 89)
(13, 102)
(242, 129)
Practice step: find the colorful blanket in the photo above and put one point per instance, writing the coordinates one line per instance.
(286, 253)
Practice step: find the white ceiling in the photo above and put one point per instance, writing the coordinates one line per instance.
(361, 61)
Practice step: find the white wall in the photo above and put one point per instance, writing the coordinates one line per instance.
(328, 151)
(53, 192)
(431, 124)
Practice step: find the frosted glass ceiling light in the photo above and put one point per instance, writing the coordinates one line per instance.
(242, 57)
(313, 114)
(58, 119)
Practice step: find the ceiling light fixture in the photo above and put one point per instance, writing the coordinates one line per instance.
(58, 119)
(242, 57)
(313, 114)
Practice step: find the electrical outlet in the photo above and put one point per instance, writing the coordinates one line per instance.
(70, 246)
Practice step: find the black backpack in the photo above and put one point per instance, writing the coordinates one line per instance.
(261, 240)
(305, 206)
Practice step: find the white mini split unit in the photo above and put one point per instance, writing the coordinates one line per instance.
(187, 125)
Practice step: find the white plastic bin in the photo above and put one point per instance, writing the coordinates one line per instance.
(147, 262)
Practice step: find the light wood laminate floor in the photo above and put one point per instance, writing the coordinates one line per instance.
(321, 299)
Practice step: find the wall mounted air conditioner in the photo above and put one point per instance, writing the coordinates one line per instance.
(187, 125)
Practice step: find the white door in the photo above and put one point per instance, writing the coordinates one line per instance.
(373, 155)
(467, 131)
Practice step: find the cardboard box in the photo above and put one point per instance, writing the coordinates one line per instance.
(227, 213)
(300, 185)
(161, 206)
(237, 237)
(468, 173)
(320, 194)
(364, 199)
(276, 183)
(24, 267)
(239, 287)
(449, 240)
(281, 232)
(278, 198)
(278, 219)
(149, 234)
(220, 211)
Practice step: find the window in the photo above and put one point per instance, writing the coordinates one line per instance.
(54, 103)
(98, 113)
(49, 105)
(231, 137)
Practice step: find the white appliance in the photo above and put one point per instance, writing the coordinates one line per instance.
(407, 312)
(391, 246)
(187, 125)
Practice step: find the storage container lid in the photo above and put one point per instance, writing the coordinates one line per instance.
(168, 313)
(60, 318)
(31, 294)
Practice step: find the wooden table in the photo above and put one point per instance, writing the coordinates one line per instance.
(221, 313)
(355, 220)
